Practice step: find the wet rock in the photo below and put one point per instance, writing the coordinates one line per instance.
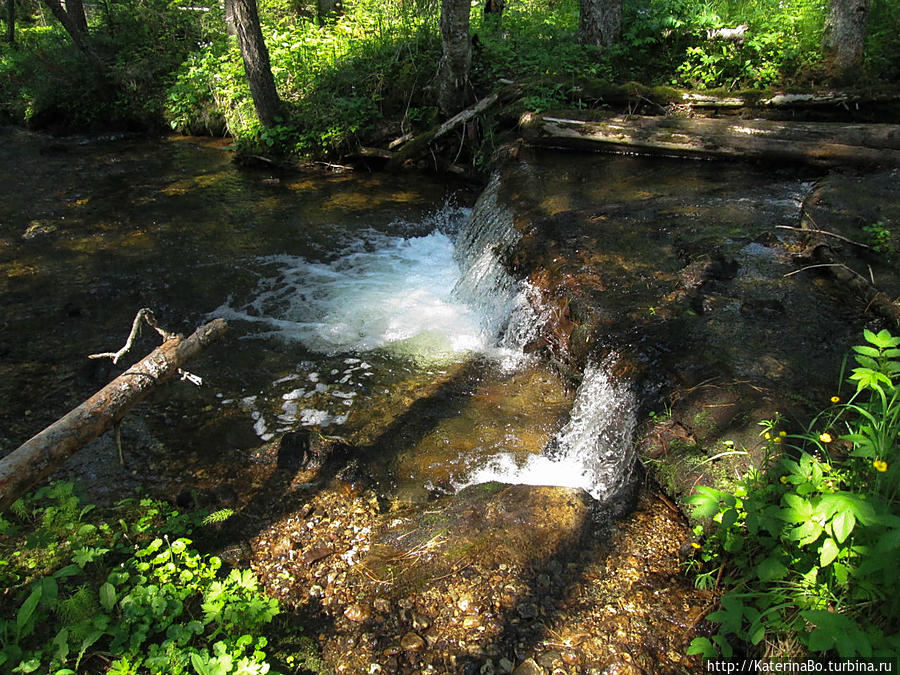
(412, 642)
(528, 667)
(358, 613)
(317, 553)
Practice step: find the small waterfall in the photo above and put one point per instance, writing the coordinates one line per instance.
(511, 308)
(594, 449)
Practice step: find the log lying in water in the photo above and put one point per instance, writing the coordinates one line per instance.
(822, 143)
(40, 455)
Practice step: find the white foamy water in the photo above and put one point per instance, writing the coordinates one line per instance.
(593, 451)
(386, 291)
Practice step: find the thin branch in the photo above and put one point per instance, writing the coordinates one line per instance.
(809, 267)
(145, 314)
(825, 232)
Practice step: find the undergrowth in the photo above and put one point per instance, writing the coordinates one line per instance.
(367, 75)
(122, 591)
(806, 546)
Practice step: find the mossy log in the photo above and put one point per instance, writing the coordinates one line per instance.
(827, 144)
(40, 455)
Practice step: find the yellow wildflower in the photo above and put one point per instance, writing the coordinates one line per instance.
(695, 544)
(782, 433)
(880, 465)
(777, 439)
(835, 399)
(826, 437)
(767, 435)
(783, 479)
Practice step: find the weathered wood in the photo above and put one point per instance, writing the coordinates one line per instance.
(40, 455)
(419, 145)
(826, 144)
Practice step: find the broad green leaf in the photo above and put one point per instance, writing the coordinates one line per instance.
(700, 645)
(771, 569)
(23, 616)
(842, 525)
(107, 596)
(797, 509)
(828, 552)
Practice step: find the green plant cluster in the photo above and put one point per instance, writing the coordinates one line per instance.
(113, 594)
(367, 74)
(807, 545)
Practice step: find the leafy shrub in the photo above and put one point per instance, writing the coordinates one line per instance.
(150, 603)
(808, 543)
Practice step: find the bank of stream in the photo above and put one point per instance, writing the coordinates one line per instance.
(425, 413)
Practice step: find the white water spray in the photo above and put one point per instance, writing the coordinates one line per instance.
(593, 451)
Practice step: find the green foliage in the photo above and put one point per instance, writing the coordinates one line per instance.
(368, 75)
(150, 603)
(882, 239)
(809, 542)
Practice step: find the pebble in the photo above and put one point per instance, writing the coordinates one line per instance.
(357, 613)
(412, 642)
(528, 667)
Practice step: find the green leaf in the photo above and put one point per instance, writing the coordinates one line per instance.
(23, 616)
(828, 552)
(842, 525)
(771, 569)
(797, 509)
(67, 571)
(705, 501)
(107, 596)
(700, 645)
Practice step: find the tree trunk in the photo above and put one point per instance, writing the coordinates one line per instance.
(845, 36)
(495, 7)
(824, 144)
(11, 21)
(35, 459)
(73, 28)
(230, 29)
(600, 22)
(75, 9)
(256, 61)
(453, 71)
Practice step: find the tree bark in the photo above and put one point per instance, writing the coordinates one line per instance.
(600, 22)
(75, 9)
(75, 31)
(40, 455)
(230, 29)
(256, 61)
(824, 144)
(453, 71)
(845, 37)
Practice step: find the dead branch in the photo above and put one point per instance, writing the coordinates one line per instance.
(40, 455)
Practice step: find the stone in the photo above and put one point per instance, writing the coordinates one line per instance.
(412, 642)
(357, 613)
(528, 667)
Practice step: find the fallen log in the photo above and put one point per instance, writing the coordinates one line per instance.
(40, 455)
(418, 145)
(822, 143)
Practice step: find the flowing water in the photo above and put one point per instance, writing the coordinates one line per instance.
(372, 308)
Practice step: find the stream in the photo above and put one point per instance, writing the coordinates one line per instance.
(448, 341)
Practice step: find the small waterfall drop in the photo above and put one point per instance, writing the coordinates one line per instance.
(594, 449)
(510, 306)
